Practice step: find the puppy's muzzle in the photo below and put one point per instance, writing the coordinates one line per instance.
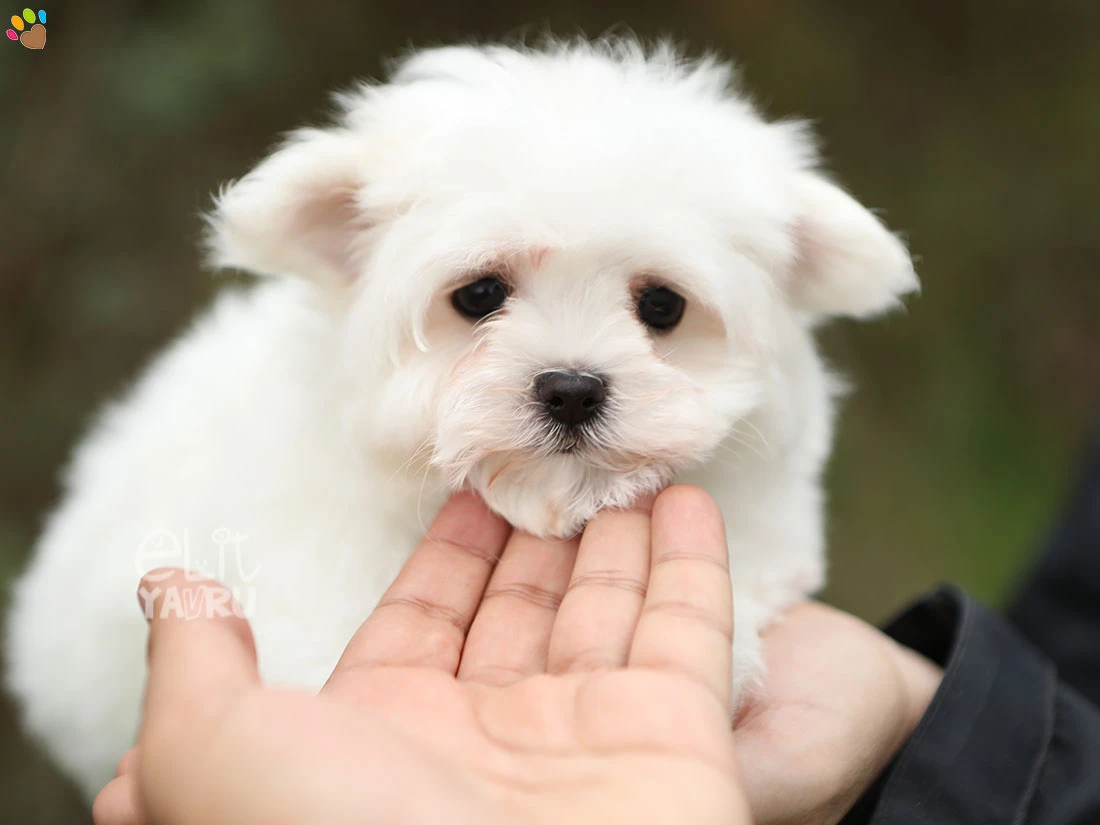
(569, 397)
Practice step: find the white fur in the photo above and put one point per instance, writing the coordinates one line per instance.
(325, 414)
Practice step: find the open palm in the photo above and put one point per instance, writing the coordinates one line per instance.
(577, 681)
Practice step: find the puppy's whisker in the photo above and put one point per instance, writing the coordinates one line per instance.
(759, 434)
(734, 436)
(419, 504)
(730, 450)
(412, 458)
(665, 355)
(504, 468)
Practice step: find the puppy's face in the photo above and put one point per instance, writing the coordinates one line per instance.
(564, 276)
(567, 379)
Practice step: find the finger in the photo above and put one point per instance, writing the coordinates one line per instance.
(201, 652)
(510, 636)
(118, 803)
(596, 621)
(128, 762)
(423, 618)
(686, 624)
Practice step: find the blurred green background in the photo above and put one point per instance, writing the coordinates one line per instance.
(974, 125)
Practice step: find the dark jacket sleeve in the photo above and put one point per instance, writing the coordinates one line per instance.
(1004, 742)
(1013, 734)
(1058, 605)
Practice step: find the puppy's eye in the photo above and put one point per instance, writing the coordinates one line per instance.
(480, 298)
(660, 308)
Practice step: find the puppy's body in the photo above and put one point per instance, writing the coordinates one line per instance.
(295, 442)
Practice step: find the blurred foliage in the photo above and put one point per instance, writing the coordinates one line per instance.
(973, 124)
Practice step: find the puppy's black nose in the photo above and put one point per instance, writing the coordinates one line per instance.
(570, 397)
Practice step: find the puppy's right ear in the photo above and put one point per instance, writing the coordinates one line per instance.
(297, 212)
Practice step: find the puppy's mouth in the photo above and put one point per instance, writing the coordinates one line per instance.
(577, 441)
(585, 446)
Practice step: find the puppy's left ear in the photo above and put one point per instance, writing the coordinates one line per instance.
(297, 212)
(846, 261)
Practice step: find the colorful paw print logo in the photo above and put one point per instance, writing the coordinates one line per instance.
(35, 36)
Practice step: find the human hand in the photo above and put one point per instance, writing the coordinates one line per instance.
(840, 699)
(531, 690)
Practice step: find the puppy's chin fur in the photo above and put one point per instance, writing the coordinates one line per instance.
(554, 496)
(297, 439)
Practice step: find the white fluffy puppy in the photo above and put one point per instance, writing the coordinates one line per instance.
(561, 276)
